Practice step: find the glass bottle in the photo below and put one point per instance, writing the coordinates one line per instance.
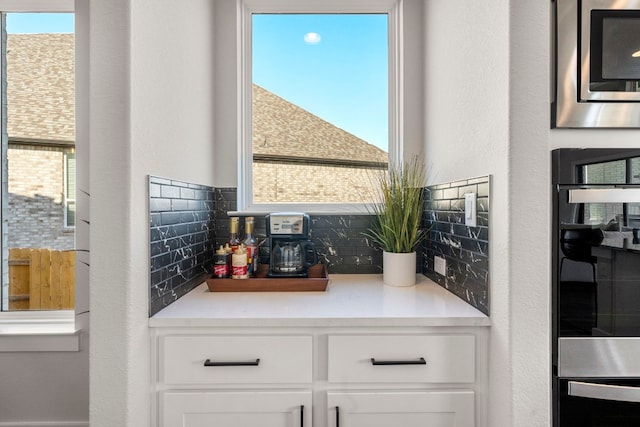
(251, 244)
(234, 240)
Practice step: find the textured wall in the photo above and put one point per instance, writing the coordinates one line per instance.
(181, 235)
(465, 249)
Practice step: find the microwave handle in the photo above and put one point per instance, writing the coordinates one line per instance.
(604, 391)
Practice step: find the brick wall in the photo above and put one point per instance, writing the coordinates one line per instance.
(282, 182)
(35, 202)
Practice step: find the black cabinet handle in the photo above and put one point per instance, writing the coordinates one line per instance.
(337, 416)
(301, 415)
(419, 361)
(208, 362)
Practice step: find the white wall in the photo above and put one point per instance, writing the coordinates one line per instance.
(151, 113)
(487, 103)
(44, 386)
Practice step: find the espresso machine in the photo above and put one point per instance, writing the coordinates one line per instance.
(291, 251)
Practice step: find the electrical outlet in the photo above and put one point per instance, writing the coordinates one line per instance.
(440, 265)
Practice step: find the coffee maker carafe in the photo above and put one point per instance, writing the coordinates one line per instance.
(292, 253)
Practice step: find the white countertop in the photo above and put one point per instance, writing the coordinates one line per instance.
(349, 300)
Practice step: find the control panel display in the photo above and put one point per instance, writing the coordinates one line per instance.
(286, 224)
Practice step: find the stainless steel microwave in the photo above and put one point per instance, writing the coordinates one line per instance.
(597, 78)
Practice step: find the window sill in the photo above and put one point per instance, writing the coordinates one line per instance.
(38, 331)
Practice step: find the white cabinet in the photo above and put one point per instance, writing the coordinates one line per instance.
(319, 376)
(425, 361)
(213, 379)
(236, 408)
(434, 408)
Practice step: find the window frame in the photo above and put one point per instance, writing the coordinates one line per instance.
(43, 330)
(69, 200)
(246, 8)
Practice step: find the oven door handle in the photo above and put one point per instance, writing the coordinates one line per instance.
(604, 391)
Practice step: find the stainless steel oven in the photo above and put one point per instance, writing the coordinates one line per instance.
(587, 402)
(596, 287)
(597, 45)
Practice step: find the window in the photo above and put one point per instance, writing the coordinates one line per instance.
(38, 149)
(320, 103)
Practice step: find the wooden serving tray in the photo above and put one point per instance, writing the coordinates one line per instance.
(317, 281)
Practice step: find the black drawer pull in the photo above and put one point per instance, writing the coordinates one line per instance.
(208, 362)
(419, 361)
(301, 415)
(337, 416)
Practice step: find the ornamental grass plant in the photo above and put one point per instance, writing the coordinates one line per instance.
(397, 206)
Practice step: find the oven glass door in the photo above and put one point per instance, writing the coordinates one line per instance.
(598, 265)
(599, 403)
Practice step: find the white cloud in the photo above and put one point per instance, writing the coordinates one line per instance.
(312, 38)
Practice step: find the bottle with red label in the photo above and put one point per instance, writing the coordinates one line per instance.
(221, 264)
(239, 267)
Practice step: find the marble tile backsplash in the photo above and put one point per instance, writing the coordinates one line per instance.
(188, 221)
(465, 249)
(182, 224)
(338, 238)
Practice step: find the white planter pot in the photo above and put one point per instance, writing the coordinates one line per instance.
(399, 269)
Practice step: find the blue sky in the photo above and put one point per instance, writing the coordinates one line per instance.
(341, 75)
(29, 23)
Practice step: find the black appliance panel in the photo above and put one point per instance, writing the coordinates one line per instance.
(597, 277)
(608, 403)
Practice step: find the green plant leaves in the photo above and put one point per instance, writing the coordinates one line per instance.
(398, 207)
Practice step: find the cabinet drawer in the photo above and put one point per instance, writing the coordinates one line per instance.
(402, 358)
(209, 359)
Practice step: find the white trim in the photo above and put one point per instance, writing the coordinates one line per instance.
(38, 331)
(36, 6)
(394, 10)
(39, 343)
(44, 424)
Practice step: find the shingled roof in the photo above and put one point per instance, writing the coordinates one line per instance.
(40, 87)
(282, 128)
(40, 67)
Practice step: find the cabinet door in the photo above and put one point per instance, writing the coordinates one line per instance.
(406, 409)
(236, 409)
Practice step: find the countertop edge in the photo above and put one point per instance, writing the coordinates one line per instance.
(320, 322)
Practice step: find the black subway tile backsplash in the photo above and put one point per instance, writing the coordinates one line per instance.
(188, 221)
(465, 249)
(182, 226)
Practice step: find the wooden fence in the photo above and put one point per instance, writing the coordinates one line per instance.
(41, 279)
